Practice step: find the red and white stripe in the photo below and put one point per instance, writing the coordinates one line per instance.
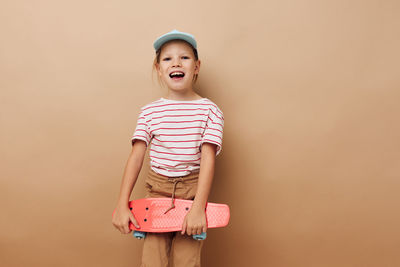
(176, 130)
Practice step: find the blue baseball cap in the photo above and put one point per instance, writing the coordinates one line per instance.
(174, 35)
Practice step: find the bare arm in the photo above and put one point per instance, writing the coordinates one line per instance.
(132, 170)
(206, 175)
(195, 221)
(122, 214)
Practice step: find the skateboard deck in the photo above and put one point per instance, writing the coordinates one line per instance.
(151, 216)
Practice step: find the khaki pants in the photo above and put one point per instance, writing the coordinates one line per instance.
(171, 249)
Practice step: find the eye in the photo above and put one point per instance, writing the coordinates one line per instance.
(166, 58)
(185, 57)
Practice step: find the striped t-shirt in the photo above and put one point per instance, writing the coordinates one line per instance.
(176, 129)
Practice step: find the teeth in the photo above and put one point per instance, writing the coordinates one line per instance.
(176, 74)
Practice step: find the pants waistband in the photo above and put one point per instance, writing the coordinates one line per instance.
(192, 177)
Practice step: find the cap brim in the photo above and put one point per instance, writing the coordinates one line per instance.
(174, 36)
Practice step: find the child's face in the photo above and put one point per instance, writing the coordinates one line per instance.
(178, 65)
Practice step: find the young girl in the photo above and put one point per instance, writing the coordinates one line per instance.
(184, 131)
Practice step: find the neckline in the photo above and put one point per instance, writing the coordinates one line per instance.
(172, 100)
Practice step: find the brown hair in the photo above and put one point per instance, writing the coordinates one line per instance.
(157, 61)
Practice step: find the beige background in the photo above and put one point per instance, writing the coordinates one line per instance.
(311, 153)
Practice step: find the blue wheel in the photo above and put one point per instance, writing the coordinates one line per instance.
(201, 236)
(139, 235)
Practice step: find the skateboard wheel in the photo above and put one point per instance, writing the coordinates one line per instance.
(201, 236)
(139, 235)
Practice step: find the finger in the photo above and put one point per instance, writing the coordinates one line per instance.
(190, 230)
(114, 224)
(117, 226)
(121, 229)
(134, 222)
(126, 227)
(183, 227)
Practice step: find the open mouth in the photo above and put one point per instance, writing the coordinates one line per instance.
(176, 75)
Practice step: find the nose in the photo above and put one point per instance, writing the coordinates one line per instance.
(176, 62)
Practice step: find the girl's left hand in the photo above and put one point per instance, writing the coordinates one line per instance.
(195, 222)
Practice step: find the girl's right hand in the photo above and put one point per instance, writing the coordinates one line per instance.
(121, 218)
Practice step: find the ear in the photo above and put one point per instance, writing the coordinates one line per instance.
(158, 69)
(197, 67)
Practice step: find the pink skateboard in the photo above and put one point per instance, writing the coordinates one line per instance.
(156, 215)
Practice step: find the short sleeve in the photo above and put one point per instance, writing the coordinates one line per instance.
(214, 129)
(142, 131)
